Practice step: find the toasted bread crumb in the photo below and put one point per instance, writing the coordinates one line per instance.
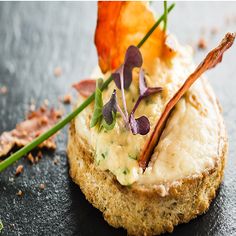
(31, 158)
(12, 225)
(39, 154)
(19, 170)
(11, 180)
(19, 193)
(67, 99)
(202, 44)
(3, 90)
(36, 159)
(42, 186)
(56, 161)
(57, 71)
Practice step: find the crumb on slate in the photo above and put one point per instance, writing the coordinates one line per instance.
(19, 170)
(42, 186)
(34, 159)
(11, 180)
(19, 193)
(12, 225)
(57, 71)
(31, 158)
(67, 99)
(56, 160)
(202, 44)
(3, 90)
(39, 154)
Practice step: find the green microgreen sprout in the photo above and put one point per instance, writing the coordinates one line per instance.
(133, 157)
(98, 104)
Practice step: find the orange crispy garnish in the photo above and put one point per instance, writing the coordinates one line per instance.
(211, 60)
(121, 24)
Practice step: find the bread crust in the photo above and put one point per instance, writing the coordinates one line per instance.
(144, 210)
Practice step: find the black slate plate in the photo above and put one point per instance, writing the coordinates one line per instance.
(37, 37)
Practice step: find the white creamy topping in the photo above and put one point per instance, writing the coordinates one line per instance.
(188, 144)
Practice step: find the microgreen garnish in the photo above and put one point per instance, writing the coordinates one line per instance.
(143, 89)
(110, 108)
(97, 114)
(133, 157)
(20, 153)
(140, 125)
(133, 58)
(123, 79)
(109, 126)
(104, 116)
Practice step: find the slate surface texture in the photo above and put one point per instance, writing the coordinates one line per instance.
(36, 37)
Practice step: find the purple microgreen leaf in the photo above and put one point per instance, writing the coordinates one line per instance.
(109, 108)
(117, 76)
(140, 125)
(133, 58)
(109, 126)
(143, 89)
(151, 91)
(123, 78)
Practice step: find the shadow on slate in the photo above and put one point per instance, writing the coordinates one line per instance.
(35, 38)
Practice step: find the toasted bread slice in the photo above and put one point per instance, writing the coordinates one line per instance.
(152, 208)
(186, 167)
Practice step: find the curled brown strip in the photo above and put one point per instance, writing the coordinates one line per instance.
(211, 60)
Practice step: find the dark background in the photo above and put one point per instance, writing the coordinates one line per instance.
(37, 37)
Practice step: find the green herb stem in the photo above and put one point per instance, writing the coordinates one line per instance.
(165, 15)
(23, 151)
(155, 26)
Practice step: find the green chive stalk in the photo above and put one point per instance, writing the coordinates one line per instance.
(23, 151)
(165, 15)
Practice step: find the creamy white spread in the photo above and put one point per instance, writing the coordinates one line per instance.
(188, 144)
